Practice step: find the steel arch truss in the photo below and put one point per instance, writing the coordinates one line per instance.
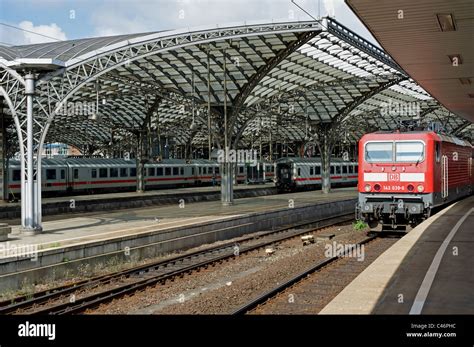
(75, 75)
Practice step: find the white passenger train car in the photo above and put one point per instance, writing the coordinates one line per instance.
(94, 175)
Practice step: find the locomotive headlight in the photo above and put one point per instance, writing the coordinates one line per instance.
(420, 188)
(367, 187)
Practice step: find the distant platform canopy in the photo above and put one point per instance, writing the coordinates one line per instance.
(270, 80)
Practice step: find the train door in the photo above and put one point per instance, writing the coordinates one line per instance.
(444, 177)
(68, 173)
(62, 177)
(74, 178)
(317, 173)
(344, 172)
(241, 175)
(50, 178)
(90, 177)
(254, 173)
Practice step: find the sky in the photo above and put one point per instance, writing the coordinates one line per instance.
(73, 19)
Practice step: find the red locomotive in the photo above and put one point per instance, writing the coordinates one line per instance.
(403, 175)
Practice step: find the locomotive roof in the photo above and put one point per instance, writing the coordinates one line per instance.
(442, 137)
(455, 140)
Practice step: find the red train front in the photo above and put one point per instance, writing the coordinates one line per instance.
(402, 176)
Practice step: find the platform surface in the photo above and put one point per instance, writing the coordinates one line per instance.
(429, 271)
(63, 231)
(155, 192)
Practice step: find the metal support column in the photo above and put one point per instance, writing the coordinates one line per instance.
(3, 171)
(325, 148)
(209, 140)
(227, 191)
(270, 145)
(158, 134)
(30, 221)
(141, 159)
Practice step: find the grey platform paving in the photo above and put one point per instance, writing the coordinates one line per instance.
(121, 200)
(96, 226)
(167, 191)
(391, 283)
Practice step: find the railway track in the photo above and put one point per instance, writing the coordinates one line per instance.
(313, 288)
(73, 298)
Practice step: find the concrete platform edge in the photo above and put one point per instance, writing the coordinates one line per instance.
(363, 293)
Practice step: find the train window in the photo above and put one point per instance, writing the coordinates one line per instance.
(438, 151)
(344, 169)
(51, 174)
(241, 169)
(311, 171)
(192, 171)
(167, 171)
(159, 171)
(332, 169)
(103, 173)
(299, 171)
(409, 151)
(94, 173)
(351, 169)
(204, 170)
(338, 169)
(63, 174)
(199, 170)
(76, 173)
(181, 171)
(379, 151)
(216, 170)
(175, 171)
(113, 172)
(356, 168)
(133, 172)
(123, 172)
(151, 171)
(318, 170)
(16, 175)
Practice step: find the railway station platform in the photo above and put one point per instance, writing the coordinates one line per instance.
(134, 234)
(429, 271)
(114, 201)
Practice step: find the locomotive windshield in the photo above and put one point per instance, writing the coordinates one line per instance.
(379, 152)
(398, 151)
(408, 151)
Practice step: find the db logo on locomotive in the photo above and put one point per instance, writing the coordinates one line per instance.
(394, 177)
